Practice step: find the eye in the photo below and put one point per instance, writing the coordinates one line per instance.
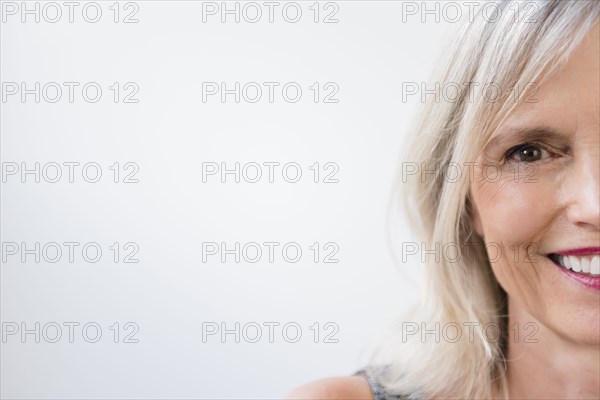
(527, 153)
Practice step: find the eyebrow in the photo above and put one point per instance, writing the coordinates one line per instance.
(524, 135)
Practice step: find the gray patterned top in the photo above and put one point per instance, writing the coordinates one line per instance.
(378, 390)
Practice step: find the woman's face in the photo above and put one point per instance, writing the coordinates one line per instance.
(546, 202)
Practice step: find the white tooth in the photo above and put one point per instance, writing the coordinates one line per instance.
(595, 265)
(564, 261)
(575, 263)
(585, 264)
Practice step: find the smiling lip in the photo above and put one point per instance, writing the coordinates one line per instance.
(591, 281)
(587, 280)
(579, 252)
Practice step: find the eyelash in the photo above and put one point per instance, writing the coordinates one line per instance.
(508, 156)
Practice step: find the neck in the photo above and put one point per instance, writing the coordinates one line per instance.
(543, 365)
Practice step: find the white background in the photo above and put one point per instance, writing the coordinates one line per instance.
(169, 133)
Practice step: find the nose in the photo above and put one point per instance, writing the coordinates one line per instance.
(584, 208)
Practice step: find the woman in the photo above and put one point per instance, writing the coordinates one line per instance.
(523, 212)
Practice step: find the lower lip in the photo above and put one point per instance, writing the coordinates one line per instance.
(586, 280)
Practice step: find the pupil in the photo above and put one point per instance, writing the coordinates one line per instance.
(529, 154)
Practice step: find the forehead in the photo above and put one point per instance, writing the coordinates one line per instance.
(570, 99)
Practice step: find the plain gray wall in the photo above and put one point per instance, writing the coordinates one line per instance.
(170, 212)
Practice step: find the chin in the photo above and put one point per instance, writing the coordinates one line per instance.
(565, 301)
(577, 298)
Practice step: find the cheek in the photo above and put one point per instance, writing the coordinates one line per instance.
(514, 217)
(514, 213)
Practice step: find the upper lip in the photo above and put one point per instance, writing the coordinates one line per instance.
(581, 251)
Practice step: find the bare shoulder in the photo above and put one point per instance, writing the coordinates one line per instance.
(338, 388)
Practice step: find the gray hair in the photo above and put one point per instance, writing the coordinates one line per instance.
(511, 52)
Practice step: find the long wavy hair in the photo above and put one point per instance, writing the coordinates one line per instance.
(510, 51)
